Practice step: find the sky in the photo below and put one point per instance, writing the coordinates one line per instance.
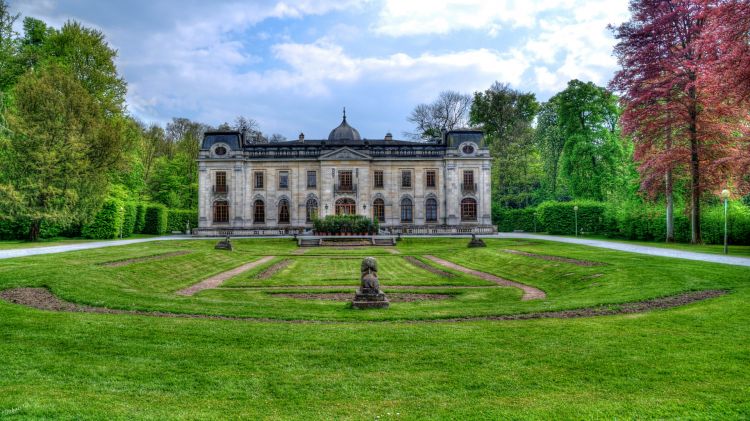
(293, 65)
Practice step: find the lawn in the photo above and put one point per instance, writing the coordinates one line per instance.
(686, 362)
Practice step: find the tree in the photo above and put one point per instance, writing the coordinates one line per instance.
(550, 141)
(57, 134)
(592, 157)
(684, 83)
(449, 111)
(8, 47)
(506, 116)
(276, 137)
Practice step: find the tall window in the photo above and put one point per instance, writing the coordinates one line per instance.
(378, 210)
(258, 179)
(378, 179)
(311, 210)
(468, 184)
(468, 209)
(283, 179)
(406, 179)
(345, 181)
(312, 179)
(430, 210)
(407, 210)
(259, 212)
(221, 211)
(430, 178)
(221, 182)
(283, 212)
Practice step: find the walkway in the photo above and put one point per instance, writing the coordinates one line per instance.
(633, 248)
(32, 251)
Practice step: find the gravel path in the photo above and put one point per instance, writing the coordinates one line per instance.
(529, 292)
(217, 280)
(633, 248)
(33, 251)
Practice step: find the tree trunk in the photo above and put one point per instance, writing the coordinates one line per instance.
(670, 207)
(34, 230)
(695, 176)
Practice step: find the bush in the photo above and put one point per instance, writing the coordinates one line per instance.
(107, 223)
(346, 224)
(155, 219)
(178, 217)
(140, 218)
(509, 220)
(560, 217)
(128, 221)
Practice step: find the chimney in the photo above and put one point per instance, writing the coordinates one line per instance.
(302, 137)
(388, 137)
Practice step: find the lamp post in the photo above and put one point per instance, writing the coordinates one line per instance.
(575, 210)
(725, 196)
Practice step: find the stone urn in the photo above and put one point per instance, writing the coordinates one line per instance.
(369, 294)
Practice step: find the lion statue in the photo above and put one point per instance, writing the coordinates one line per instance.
(369, 271)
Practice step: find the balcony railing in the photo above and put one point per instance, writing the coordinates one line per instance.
(220, 188)
(345, 188)
(468, 187)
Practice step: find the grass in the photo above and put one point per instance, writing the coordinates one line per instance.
(689, 362)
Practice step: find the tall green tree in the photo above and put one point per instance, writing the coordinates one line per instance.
(506, 116)
(593, 155)
(551, 142)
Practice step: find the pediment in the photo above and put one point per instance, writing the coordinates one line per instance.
(345, 154)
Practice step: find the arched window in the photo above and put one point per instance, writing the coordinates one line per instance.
(430, 210)
(378, 210)
(221, 211)
(283, 211)
(407, 210)
(259, 212)
(311, 209)
(346, 206)
(468, 209)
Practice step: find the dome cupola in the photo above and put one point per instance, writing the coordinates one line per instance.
(344, 131)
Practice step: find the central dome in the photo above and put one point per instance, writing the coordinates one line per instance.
(344, 131)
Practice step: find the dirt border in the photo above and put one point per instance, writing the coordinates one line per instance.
(549, 258)
(125, 262)
(422, 265)
(43, 299)
(529, 292)
(218, 279)
(271, 270)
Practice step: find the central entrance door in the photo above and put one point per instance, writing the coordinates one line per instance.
(346, 207)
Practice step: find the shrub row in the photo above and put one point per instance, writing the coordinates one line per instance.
(156, 219)
(108, 222)
(177, 219)
(345, 224)
(632, 221)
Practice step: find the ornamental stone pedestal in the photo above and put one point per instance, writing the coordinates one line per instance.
(369, 294)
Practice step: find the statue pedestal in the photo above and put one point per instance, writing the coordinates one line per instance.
(370, 298)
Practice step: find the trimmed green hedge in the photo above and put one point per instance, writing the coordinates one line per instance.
(107, 223)
(509, 220)
(140, 218)
(18, 229)
(155, 219)
(345, 224)
(560, 217)
(177, 218)
(128, 221)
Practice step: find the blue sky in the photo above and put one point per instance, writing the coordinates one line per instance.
(292, 65)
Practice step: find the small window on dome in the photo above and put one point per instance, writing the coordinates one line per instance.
(220, 150)
(468, 149)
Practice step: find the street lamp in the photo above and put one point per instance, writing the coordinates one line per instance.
(725, 196)
(575, 209)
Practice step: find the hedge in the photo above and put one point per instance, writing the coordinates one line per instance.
(178, 217)
(560, 217)
(346, 224)
(140, 218)
(155, 219)
(18, 229)
(509, 220)
(107, 222)
(128, 221)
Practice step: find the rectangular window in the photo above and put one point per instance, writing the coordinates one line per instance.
(378, 179)
(406, 179)
(430, 179)
(221, 182)
(283, 179)
(345, 181)
(258, 180)
(468, 184)
(312, 179)
(221, 211)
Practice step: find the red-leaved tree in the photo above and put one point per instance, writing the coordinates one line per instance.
(685, 90)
